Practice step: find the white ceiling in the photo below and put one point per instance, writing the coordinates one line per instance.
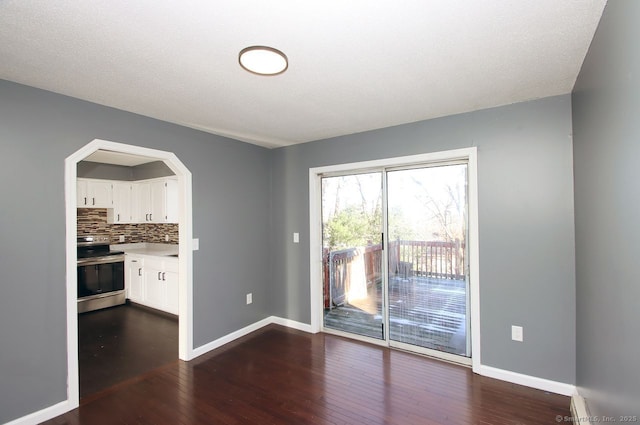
(353, 65)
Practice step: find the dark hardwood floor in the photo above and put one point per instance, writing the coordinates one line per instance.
(119, 343)
(283, 376)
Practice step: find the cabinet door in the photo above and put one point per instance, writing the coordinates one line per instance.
(100, 193)
(134, 275)
(122, 203)
(157, 213)
(141, 201)
(173, 292)
(172, 199)
(82, 193)
(155, 289)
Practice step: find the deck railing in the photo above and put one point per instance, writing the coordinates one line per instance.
(434, 259)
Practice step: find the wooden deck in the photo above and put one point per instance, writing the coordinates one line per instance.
(283, 376)
(426, 312)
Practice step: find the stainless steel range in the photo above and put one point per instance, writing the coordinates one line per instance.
(100, 274)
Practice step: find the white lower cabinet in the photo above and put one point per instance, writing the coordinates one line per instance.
(134, 278)
(156, 280)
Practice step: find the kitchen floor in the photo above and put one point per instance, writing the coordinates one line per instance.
(120, 343)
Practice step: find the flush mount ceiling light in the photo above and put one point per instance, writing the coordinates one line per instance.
(263, 60)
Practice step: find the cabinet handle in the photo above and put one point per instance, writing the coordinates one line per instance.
(94, 201)
(159, 275)
(150, 217)
(163, 276)
(118, 217)
(85, 200)
(139, 272)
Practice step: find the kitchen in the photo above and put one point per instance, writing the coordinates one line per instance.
(128, 286)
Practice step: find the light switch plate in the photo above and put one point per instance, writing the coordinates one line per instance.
(121, 239)
(516, 333)
(249, 298)
(296, 237)
(196, 244)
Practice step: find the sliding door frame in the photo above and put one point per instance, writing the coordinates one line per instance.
(468, 155)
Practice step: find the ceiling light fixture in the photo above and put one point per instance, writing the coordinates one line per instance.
(263, 60)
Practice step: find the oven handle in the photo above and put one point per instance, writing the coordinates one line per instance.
(107, 259)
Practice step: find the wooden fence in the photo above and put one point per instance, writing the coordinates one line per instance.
(430, 259)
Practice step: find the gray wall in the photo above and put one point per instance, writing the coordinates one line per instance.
(526, 223)
(606, 103)
(151, 170)
(38, 130)
(96, 170)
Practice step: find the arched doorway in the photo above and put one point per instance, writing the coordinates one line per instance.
(185, 349)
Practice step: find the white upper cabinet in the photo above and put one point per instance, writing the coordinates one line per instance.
(158, 201)
(95, 193)
(148, 201)
(122, 202)
(172, 199)
(142, 202)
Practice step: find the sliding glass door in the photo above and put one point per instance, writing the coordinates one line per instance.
(427, 282)
(352, 254)
(410, 290)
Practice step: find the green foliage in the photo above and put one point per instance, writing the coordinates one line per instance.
(351, 227)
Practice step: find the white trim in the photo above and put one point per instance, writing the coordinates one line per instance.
(434, 354)
(185, 326)
(315, 249)
(355, 337)
(474, 258)
(43, 415)
(291, 324)
(315, 223)
(217, 343)
(203, 349)
(528, 381)
(579, 410)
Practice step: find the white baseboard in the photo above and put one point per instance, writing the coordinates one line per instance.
(247, 330)
(203, 349)
(291, 324)
(528, 381)
(579, 410)
(44, 414)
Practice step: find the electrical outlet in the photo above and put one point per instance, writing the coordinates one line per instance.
(121, 239)
(516, 333)
(166, 238)
(296, 237)
(249, 298)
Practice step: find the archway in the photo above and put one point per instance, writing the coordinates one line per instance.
(185, 348)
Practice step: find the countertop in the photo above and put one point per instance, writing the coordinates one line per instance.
(149, 249)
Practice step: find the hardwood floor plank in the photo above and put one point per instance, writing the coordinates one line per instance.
(283, 376)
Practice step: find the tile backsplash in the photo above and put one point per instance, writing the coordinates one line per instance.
(93, 221)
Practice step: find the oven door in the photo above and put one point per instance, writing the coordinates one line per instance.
(100, 275)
